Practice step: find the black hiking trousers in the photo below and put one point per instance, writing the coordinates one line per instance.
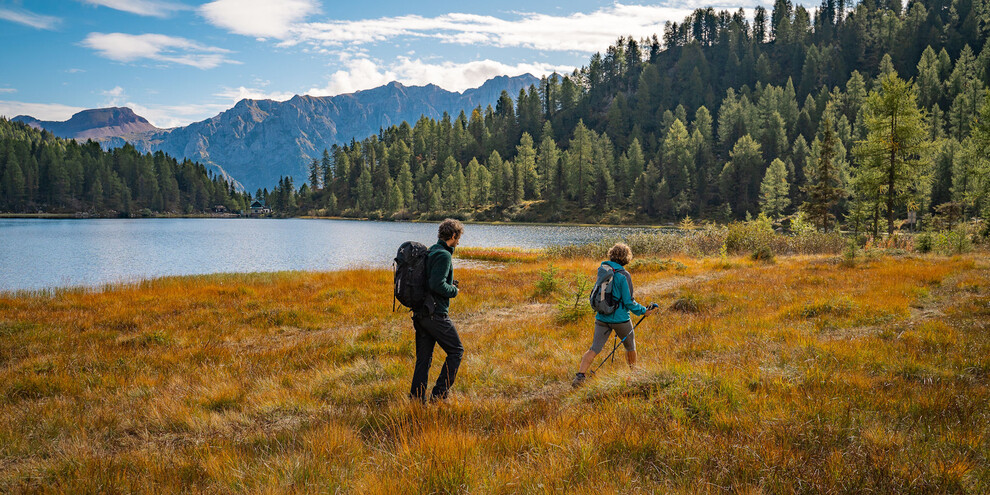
(431, 330)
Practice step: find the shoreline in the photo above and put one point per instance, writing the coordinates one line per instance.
(73, 216)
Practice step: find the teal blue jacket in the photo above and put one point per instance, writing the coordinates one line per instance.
(620, 291)
(440, 270)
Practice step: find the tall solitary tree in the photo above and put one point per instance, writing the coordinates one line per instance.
(895, 142)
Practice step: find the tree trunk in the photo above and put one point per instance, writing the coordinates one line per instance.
(891, 176)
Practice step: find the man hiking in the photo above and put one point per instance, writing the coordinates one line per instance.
(432, 324)
(622, 293)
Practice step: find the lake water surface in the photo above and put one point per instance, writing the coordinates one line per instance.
(37, 254)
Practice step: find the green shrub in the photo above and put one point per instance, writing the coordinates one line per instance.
(763, 254)
(923, 242)
(548, 284)
(746, 237)
(575, 305)
(850, 254)
(688, 302)
(952, 242)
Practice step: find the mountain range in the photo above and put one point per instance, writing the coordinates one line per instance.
(258, 141)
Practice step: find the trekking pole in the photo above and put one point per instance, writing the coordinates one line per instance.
(654, 305)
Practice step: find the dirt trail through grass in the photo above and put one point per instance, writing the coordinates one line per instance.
(532, 311)
(665, 285)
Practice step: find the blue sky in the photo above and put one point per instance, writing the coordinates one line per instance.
(179, 61)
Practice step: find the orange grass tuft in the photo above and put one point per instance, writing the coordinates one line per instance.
(803, 376)
(504, 255)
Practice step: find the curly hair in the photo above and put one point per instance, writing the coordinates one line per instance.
(449, 229)
(620, 253)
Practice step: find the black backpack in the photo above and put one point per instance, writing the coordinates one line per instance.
(410, 276)
(601, 298)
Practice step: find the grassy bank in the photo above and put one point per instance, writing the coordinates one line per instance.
(811, 374)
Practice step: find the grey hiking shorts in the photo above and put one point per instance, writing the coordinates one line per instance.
(604, 330)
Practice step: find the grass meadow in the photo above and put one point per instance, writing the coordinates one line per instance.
(808, 374)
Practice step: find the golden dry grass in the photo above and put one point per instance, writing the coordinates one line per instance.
(802, 376)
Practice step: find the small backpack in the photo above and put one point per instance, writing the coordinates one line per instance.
(410, 276)
(601, 298)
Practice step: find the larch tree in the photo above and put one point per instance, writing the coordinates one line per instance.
(895, 143)
(774, 190)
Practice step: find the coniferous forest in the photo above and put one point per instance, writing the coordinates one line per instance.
(851, 117)
(43, 173)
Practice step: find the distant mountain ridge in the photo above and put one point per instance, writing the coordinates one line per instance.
(258, 141)
(94, 124)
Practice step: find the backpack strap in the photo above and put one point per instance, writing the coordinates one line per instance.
(628, 281)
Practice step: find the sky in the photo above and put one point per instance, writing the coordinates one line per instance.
(175, 62)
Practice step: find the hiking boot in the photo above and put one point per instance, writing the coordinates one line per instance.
(578, 380)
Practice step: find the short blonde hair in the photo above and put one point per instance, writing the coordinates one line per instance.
(620, 253)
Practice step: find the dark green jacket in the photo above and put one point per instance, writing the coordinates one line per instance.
(441, 276)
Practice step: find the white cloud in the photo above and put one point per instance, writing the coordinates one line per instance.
(75, 71)
(241, 92)
(159, 47)
(153, 8)
(364, 73)
(263, 18)
(29, 18)
(40, 111)
(8, 90)
(577, 32)
(115, 97)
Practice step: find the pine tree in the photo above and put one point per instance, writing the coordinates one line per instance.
(315, 174)
(547, 156)
(499, 192)
(460, 187)
(365, 191)
(739, 182)
(579, 165)
(774, 190)
(525, 169)
(12, 185)
(604, 184)
(824, 187)
(326, 169)
(483, 196)
(635, 164)
(928, 80)
(394, 201)
(678, 167)
(967, 179)
(405, 184)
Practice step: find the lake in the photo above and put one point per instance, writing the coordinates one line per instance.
(38, 254)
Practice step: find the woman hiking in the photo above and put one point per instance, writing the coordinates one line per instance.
(622, 292)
